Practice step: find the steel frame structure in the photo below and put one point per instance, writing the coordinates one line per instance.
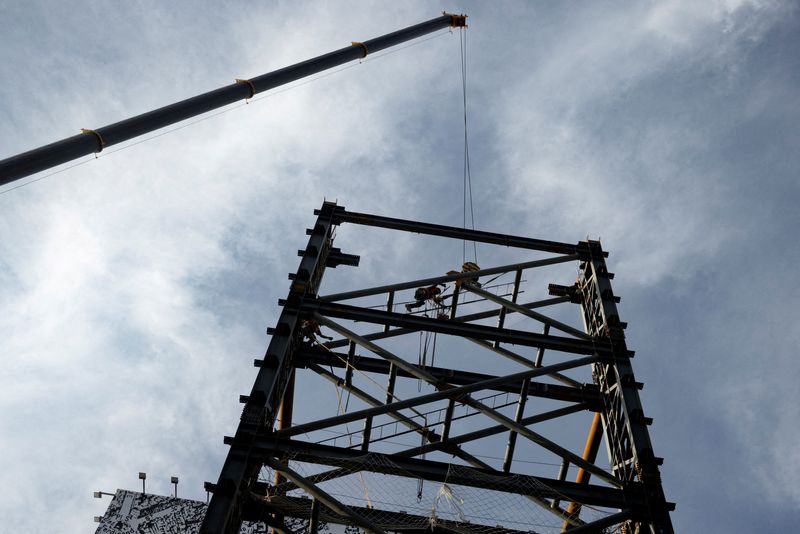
(631, 488)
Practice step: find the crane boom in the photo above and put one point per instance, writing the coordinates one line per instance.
(94, 141)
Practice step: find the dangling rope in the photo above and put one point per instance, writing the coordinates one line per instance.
(467, 172)
(340, 411)
(424, 342)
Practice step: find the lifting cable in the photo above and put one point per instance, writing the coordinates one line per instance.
(467, 171)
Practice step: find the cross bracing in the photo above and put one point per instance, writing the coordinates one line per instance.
(485, 440)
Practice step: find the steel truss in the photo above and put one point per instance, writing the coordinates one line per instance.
(629, 491)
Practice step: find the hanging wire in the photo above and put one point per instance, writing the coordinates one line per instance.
(467, 170)
(257, 98)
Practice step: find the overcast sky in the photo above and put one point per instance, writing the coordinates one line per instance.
(135, 289)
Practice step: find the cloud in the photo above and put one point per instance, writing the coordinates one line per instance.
(136, 288)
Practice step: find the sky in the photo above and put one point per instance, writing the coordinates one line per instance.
(136, 288)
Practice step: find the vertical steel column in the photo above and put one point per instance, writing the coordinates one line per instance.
(313, 520)
(624, 423)
(389, 307)
(240, 470)
(285, 421)
(501, 319)
(512, 436)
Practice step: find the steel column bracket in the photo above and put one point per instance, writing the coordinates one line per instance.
(459, 21)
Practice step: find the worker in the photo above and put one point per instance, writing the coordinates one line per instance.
(310, 330)
(468, 267)
(425, 294)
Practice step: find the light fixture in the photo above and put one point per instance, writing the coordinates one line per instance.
(209, 487)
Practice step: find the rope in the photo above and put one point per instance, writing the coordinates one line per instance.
(467, 171)
(339, 411)
(374, 382)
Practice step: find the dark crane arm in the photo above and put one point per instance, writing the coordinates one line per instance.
(93, 141)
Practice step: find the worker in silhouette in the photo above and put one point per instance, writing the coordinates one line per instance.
(310, 330)
(468, 267)
(425, 294)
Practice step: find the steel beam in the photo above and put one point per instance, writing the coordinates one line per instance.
(527, 312)
(513, 356)
(429, 435)
(454, 232)
(413, 284)
(492, 430)
(455, 393)
(600, 524)
(501, 319)
(540, 440)
(628, 488)
(456, 328)
(464, 318)
(588, 393)
(512, 436)
(464, 397)
(224, 513)
(448, 444)
(372, 347)
(323, 496)
(624, 424)
(372, 401)
(296, 506)
(541, 487)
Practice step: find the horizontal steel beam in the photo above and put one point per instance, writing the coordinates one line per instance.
(463, 319)
(588, 393)
(541, 487)
(603, 522)
(451, 443)
(514, 357)
(455, 328)
(447, 278)
(491, 431)
(525, 311)
(454, 232)
(428, 434)
(455, 393)
(403, 522)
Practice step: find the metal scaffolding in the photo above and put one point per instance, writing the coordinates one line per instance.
(290, 473)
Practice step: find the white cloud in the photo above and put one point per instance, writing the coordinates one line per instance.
(136, 288)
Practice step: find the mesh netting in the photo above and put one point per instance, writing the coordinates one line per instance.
(394, 499)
